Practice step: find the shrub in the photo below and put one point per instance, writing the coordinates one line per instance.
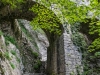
(18, 59)
(1, 33)
(35, 54)
(37, 65)
(13, 52)
(11, 39)
(12, 65)
(7, 56)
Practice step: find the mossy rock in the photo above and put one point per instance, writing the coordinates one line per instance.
(0, 54)
(35, 54)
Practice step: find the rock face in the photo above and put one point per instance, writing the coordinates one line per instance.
(66, 58)
(69, 59)
(20, 53)
(24, 51)
(73, 58)
(27, 45)
(10, 62)
(40, 38)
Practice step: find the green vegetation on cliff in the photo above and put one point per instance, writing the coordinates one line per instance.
(70, 11)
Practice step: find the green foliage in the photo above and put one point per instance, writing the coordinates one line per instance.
(72, 73)
(97, 54)
(11, 39)
(95, 46)
(35, 44)
(13, 52)
(92, 56)
(45, 19)
(12, 2)
(39, 30)
(1, 55)
(18, 59)
(6, 42)
(79, 41)
(70, 10)
(1, 33)
(94, 27)
(7, 55)
(35, 54)
(23, 28)
(12, 65)
(37, 65)
(78, 38)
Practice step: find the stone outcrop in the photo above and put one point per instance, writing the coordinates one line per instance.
(27, 53)
(61, 58)
(19, 52)
(10, 59)
(73, 58)
(67, 58)
(9, 62)
(23, 12)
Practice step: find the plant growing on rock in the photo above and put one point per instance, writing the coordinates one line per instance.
(37, 65)
(1, 33)
(18, 59)
(12, 3)
(12, 65)
(7, 55)
(13, 52)
(35, 54)
(46, 19)
(1, 55)
(11, 39)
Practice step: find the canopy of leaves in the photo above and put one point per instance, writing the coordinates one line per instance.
(70, 11)
(45, 19)
(13, 3)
